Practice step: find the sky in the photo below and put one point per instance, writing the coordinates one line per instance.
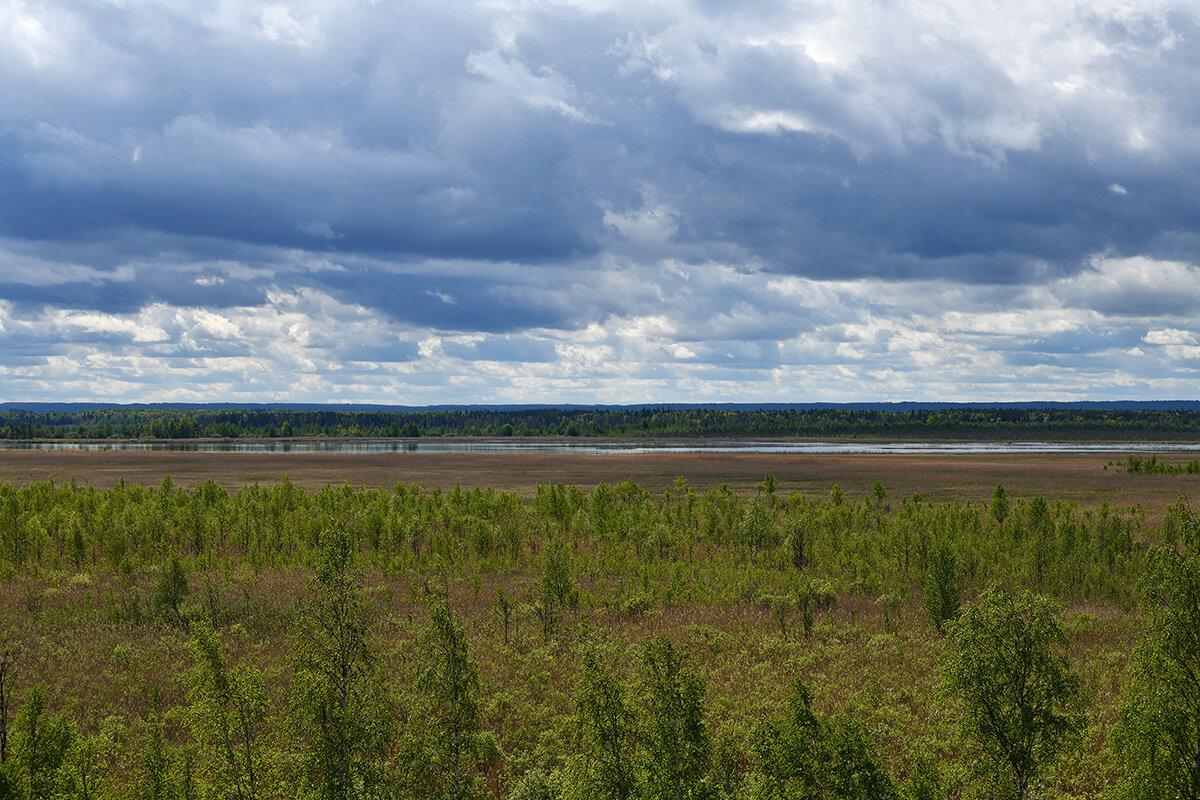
(599, 201)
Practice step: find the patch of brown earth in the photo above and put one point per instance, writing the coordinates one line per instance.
(935, 477)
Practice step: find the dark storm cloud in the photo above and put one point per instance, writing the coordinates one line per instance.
(508, 348)
(116, 297)
(368, 132)
(450, 302)
(1085, 342)
(392, 352)
(132, 289)
(514, 169)
(15, 352)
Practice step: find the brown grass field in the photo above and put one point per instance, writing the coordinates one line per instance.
(937, 477)
(883, 671)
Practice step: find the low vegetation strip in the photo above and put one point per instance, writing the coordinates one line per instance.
(1133, 464)
(1002, 423)
(613, 642)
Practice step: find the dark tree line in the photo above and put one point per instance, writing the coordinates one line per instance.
(952, 423)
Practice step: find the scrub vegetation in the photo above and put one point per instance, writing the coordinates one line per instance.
(1134, 464)
(161, 642)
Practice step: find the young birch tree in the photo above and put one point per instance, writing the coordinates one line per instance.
(675, 740)
(1158, 739)
(339, 709)
(606, 731)
(452, 682)
(1005, 659)
(227, 710)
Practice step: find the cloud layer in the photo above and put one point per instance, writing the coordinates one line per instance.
(598, 201)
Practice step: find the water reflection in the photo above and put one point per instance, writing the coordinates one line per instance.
(601, 447)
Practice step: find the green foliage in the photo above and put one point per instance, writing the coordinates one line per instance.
(554, 589)
(1157, 742)
(812, 595)
(606, 732)
(758, 529)
(622, 531)
(1006, 423)
(675, 740)
(538, 785)
(730, 762)
(10, 653)
(796, 543)
(1182, 525)
(878, 495)
(1004, 659)
(338, 705)
(505, 607)
(805, 756)
(854, 770)
(768, 485)
(719, 569)
(85, 769)
(452, 683)
(924, 782)
(1000, 504)
(171, 588)
(1134, 464)
(166, 774)
(11, 787)
(941, 590)
(781, 609)
(41, 742)
(226, 714)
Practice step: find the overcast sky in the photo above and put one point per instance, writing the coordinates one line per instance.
(599, 201)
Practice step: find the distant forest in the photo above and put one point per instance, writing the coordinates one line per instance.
(1045, 423)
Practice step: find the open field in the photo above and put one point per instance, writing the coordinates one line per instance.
(728, 576)
(938, 478)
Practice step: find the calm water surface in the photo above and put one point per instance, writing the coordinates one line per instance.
(601, 447)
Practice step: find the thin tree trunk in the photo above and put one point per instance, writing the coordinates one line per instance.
(1195, 793)
(4, 692)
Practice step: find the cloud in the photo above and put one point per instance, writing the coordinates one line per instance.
(278, 25)
(570, 200)
(645, 226)
(321, 229)
(138, 330)
(545, 91)
(1169, 336)
(1135, 287)
(505, 348)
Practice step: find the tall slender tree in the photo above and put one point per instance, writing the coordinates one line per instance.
(675, 739)
(339, 709)
(41, 744)
(606, 731)
(227, 711)
(941, 591)
(1158, 739)
(452, 682)
(10, 652)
